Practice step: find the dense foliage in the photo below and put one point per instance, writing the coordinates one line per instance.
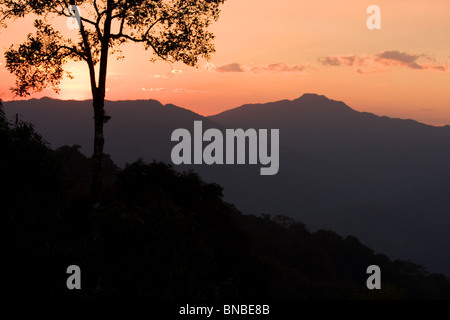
(162, 234)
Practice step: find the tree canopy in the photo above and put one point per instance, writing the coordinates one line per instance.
(173, 30)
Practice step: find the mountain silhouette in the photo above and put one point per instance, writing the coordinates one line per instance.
(383, 151)
(139, 128)
(353, 172)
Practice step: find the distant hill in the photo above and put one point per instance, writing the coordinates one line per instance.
(334, 162)
(394, 172)
(139, 128)
(410, 223)
(161, 235)
(383, 151)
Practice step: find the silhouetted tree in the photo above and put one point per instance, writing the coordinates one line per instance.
(174, 30)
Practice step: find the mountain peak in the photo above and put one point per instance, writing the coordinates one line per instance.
(45, 98)
(312, 97)
(316, 101)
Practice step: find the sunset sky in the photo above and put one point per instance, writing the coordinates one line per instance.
(273, 50)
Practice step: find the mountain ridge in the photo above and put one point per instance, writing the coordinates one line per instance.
(311, 101)
(311, 97)
(331, 158)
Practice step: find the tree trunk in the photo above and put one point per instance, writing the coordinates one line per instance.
(99, 106)
(99, 141)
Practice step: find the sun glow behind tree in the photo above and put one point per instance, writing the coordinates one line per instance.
(171, 30)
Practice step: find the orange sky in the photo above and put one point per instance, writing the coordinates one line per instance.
(268, 51)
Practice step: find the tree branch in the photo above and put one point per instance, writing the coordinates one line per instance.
(96, 8)
(89, 60)
(105, 48)
(142, 39)
(74, 51)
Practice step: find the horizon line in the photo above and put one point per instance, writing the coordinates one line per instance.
(232, 108)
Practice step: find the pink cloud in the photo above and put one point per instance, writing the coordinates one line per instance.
(232, 67)
(176, 90)
(273, 67)
(383, 61)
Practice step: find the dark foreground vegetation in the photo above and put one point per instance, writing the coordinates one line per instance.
(164, 235)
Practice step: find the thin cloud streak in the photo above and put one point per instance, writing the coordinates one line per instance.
(273, 67)
(177, 90)
(382, 62)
